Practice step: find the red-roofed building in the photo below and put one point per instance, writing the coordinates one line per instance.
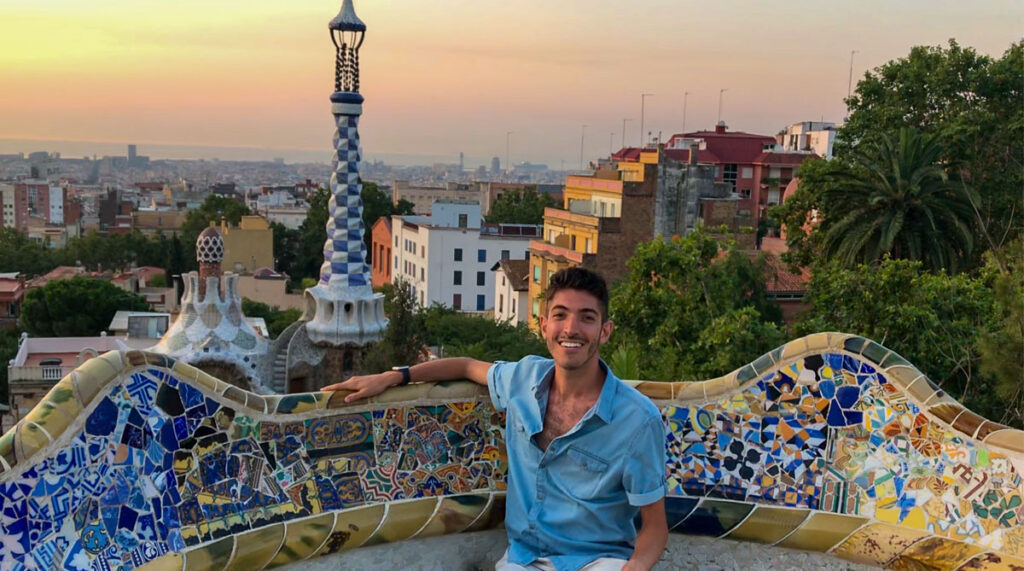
(746, 161)
(12, 291)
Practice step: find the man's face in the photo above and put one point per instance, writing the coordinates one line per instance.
(573, 329)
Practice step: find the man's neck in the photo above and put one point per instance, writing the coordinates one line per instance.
(585, 382)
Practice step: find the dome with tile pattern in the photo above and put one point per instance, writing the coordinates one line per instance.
(209, 246)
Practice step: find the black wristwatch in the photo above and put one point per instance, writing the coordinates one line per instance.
(406, 377)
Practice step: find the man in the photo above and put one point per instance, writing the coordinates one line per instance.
(586, 452)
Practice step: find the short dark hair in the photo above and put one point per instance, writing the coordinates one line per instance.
(580, 279)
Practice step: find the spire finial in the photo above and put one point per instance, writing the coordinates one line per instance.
(347, 32)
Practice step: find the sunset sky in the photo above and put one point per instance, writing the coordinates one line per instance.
(444, 76)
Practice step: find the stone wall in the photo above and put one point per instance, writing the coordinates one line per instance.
(830, 444)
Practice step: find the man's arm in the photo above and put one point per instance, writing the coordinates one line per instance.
(431, 371)
(651, 539)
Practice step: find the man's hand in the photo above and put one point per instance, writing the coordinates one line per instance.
(366, 386)
(651, 539)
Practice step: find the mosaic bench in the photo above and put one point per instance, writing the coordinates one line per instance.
(830, 443)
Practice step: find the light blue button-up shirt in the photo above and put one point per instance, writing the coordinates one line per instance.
(576, 501)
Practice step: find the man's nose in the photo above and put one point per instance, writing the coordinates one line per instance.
(571, 324)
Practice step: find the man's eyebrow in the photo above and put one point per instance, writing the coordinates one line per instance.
(583, 310)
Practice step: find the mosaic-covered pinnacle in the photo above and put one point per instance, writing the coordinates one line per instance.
(346, 20)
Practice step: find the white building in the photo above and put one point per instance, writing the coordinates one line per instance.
(817, 136)
(511, 291)
(291, 217)
(7, 199)
(447, 257)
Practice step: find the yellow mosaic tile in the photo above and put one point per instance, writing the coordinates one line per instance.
(336, 399)
(235, 394)
(303, 538)
(256, 402)
(1010, 438)
(135, 358)
(946, 412)
(454, 514)
(901, 375)
(935, 553)
(818, 343)
(114, 360)
(352, 528)
(454, 390)
(688, 391)
(768, 524)
(403, 519)
(793, 350)
(654, 390)
(293, 403)
(919, 390)
(993, 562)
(255, 549)
(62, 395)
(822, 531)
(211, 383)
(407, 393)
(988, 427)
(210, 557)
(166, 562)
(90, 378)
(720, 386)
(49, 418)
(968, 423)
(877, 543)
(7, 450)
(29, 439)
(484, 519)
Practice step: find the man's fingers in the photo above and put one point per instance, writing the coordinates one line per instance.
(361, 393)
(342, 386)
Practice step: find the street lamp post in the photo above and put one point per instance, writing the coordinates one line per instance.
(720, 92)
(508, 137)
(686, 94)
(583, 136)
(624, 132)
(643, 99)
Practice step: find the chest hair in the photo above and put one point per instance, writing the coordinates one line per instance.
(561, 415)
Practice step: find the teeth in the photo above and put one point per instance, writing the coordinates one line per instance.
(571, 344)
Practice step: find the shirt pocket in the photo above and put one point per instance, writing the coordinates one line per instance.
(582, 473)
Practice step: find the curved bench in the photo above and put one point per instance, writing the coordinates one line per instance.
(830, 443)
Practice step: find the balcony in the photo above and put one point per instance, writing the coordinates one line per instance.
(38, 373)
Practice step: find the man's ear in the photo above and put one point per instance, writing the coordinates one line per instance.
(606, 331)
(543, 325)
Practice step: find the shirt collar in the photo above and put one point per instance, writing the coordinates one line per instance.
(605, 401)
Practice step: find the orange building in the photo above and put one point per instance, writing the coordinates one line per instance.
(381, 265)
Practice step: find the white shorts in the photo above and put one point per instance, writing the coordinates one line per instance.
(542, 564)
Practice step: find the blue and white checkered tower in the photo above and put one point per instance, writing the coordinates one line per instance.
(342, 309)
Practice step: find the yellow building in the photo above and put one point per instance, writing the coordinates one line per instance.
(605, 216)
(248, 246)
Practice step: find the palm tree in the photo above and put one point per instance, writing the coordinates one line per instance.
(897, 200)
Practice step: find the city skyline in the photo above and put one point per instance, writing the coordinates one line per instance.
(453, 76)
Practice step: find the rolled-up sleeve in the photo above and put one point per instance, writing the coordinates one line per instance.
(644, 474)
(498, 380)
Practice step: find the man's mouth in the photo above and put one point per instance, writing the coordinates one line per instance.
(571, 344)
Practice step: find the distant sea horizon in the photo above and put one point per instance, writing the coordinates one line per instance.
(161, 151)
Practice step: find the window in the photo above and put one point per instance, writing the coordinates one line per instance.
(501, 303)
(396, 262)
(535, 310)
(463, 220)
(458, 254)
(536, 274)
(588, 244)
(481, 255)
(502, 280)
(457, 278)
(729, 175)
(505, 254)
(480, 278)
(513, 305)
(748, 172)
(423, 299)
(396, 241)
(423, 274)
(457, 301)
(480, 300)
(572, 242)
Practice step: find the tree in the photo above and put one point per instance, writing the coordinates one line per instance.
(286, 242)
(79, 307)
(312, 236)
(277, 320)
(520, 207)
(9, 339)
(896, 200)
(693, 308)
(376, 204)
(19, 254)
(935, 321)
(973, 103)
(1001, 348)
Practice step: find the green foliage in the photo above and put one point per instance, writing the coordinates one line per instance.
(213, 209)
(896, 200)
(625, 361)
(79, 307)
(286, 242)
(935, 321)
(277, 320)
(973, 103)
(19, 254)
(308, 255)
(1001, 348)
(520, 207)
(159, 280)
(8, 351)
(411, 330)
(692, 310)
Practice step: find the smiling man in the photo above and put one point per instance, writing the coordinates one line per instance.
(586, 452)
